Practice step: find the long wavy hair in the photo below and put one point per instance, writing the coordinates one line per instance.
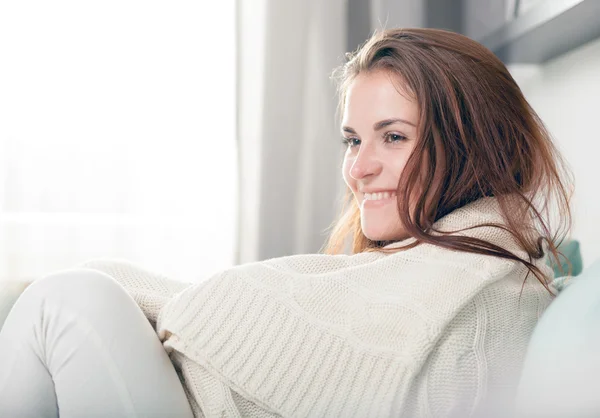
(477, 137)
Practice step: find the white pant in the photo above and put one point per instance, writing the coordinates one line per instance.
(76, 344)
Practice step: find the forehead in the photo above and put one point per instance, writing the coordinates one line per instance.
(376, 96)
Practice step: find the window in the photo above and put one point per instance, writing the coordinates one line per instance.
(117, 135)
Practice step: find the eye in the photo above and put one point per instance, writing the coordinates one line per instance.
(393, 137)
(351, 142)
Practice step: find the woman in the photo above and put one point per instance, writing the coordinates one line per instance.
(451, 179)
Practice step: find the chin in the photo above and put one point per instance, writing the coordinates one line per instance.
(380, 236)
(383, 233)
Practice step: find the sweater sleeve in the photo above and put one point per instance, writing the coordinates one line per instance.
(150, 290)
(294, 344)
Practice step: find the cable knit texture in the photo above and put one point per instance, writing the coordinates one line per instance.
(426, 332)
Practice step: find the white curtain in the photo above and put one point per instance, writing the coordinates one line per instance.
(117, 135)
(289, 136)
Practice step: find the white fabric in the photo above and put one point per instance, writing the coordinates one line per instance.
(425, 332)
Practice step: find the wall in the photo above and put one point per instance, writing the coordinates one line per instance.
(394, 13)
(358, 20)
(480, 18)
(565, 94)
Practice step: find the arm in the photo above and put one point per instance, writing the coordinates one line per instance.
(151, 291)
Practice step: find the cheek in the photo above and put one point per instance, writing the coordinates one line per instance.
(393, 170)
(397, 166)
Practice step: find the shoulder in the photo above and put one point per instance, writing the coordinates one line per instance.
(477, 358)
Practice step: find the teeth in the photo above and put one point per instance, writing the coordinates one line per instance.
(379, 196)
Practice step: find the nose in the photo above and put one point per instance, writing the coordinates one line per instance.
(365, 164)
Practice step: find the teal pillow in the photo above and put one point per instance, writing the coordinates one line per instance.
(570, 250)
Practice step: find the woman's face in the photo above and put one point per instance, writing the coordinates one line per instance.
(379, 124)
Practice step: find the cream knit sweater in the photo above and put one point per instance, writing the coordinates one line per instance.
(425, 332)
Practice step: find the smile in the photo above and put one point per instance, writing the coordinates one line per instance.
(379, 196)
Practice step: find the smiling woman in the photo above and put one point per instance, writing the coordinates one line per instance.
(450, 175)
(437, 119)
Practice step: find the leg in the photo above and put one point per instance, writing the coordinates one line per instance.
(75, 343)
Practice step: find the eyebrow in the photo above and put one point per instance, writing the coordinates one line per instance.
(380, 125)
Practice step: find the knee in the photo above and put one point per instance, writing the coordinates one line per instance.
(79, 283)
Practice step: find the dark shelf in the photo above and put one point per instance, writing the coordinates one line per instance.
(548, 30)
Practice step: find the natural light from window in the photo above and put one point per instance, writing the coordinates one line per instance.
(117, 135)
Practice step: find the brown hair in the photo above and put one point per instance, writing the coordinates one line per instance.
(477, 137)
